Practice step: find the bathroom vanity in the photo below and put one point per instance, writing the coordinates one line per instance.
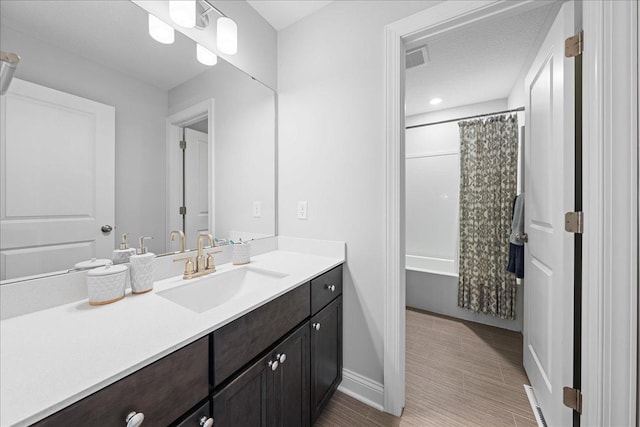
(267, 356)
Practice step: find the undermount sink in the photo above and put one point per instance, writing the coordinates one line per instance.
(211, 291)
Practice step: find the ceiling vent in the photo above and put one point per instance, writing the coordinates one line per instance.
(417, 57)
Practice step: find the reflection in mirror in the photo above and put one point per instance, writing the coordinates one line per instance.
(90, 139)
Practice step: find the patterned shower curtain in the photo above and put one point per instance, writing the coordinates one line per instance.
(488, 174)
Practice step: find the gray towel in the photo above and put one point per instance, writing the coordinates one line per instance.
(517, 225)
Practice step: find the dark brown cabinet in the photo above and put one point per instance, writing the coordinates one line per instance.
(201, 417)
(326, 355)
(277, 365)
(162, 391)
(274, 391)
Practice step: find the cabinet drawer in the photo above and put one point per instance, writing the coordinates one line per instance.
(237, 343)
(153, 390)
(196, 418)
(326, 288)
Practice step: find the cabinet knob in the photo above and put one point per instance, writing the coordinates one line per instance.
(134, 419)
(281, 357)
(273, 365)
(332, 288)
(206, 422)
(316, 326)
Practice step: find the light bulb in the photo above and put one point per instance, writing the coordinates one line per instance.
(205, 56)
(160, 31)
(183, 12)
(227, 35)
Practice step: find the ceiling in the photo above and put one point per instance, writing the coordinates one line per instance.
(283, 13)
(476, 63)
(111, 33)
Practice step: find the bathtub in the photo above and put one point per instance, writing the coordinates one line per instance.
(432, 285)
(445, 267)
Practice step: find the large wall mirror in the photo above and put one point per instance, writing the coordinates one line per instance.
(90, 139)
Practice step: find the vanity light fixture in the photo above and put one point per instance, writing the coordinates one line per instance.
(205, 56)
(160, 31)
(226, 31)
(183, 12)
(227, 35)
(435, 101)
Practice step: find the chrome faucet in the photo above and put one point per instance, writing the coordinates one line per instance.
(172, 237)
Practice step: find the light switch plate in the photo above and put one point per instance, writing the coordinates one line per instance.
(257, 210)
(302, 210)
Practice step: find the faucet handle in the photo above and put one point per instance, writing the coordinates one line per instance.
(210, 265)
(188, 267)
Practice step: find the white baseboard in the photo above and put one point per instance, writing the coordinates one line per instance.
(362, 389)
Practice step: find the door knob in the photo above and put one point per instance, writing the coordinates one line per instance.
(106, 228)
(524, 237)
(316, 326)
(206, 422)
(134, 419)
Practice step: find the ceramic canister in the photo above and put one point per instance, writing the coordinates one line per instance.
(241, 253)
(106, 284)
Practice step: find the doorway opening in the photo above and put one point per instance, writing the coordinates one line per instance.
(190, 175)
(456, 87)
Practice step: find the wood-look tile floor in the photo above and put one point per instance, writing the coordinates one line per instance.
(458, 373)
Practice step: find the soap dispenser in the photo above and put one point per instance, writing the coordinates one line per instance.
(142, 269)
(122, 255)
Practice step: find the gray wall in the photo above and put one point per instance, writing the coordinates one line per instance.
(331, 153)
(141, 110)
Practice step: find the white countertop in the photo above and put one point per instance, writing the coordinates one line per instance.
(52, 358)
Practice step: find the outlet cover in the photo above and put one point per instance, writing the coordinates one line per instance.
(302, 210)
(257, 210)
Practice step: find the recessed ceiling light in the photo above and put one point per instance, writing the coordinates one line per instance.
(435, 101)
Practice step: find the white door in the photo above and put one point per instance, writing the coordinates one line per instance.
(196, 180)
(51, 215)
(549, 167)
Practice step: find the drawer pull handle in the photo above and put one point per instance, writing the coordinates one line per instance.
(332, 288)
(206, 422)
(273, 365)
(316, 326)
(281, 357)
(134, 419)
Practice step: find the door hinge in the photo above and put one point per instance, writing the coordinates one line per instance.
(574, 45)
(574, 222)
(572, 398)
(183, 145)
(183, 210)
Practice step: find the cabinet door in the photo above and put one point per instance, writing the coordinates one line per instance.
(247, 400)
(291, 380)
(326, 355)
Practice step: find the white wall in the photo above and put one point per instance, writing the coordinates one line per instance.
(332, 153)
(140, 113)
(257, 40)
(432, 292)
(244, 141)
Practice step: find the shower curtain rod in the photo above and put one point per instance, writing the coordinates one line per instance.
(465, 118)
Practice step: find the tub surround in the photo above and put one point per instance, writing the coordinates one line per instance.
(57, 356)
(438, 293)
